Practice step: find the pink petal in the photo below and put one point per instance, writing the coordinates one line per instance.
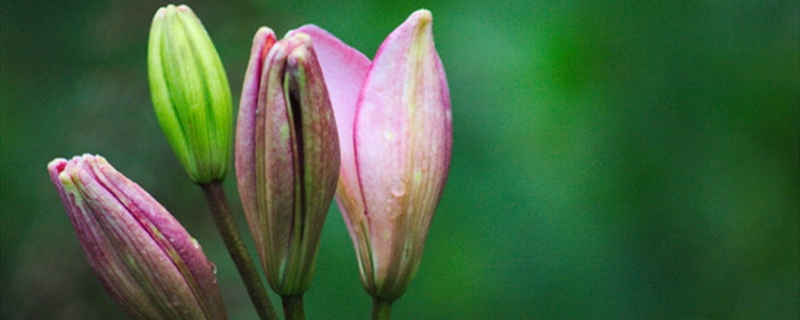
(402, 143)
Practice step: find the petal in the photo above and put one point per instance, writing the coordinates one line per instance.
(175, 242)
(275, 162)
(344, 69)
(245, 132)
(402, 146)
(318, 155)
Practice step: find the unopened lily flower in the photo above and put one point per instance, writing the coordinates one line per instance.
(287, 157)
(394, 122)
(190, 93)
(143, 257)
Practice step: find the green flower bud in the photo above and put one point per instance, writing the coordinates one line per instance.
(190, 93)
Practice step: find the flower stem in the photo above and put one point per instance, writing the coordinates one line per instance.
(381, 309)
(293, 307)
(215, 195)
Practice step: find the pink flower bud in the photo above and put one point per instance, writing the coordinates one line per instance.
(287, 157)
(143, 257)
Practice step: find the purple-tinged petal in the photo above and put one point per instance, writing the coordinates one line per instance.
(183, 250)
(245, 132)
(275, 162)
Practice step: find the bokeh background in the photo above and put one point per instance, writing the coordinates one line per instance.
(612, 159)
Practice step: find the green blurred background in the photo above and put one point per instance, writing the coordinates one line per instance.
(612, 159)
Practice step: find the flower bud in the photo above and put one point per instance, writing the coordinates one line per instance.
(190, 93)
(395, 134)
(287, 157)
(143, 257)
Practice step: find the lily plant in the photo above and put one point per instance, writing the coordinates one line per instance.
(317, 119)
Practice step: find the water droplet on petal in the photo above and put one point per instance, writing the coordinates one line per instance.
(398, 187)
(213, 268)
(195, 243)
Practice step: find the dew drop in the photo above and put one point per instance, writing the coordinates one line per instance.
(195, 243)
(398, 187)
(213, 268)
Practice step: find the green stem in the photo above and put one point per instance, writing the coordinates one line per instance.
(381, 309)
(293, 307)
(215, 195)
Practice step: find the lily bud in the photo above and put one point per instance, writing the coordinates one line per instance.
(287, 157)
(395, 134)
(190, 93)
(143, 257)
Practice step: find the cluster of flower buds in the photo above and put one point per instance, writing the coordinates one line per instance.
(317, 118)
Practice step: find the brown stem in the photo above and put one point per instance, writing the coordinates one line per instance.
(215, 195)
(381, 309)
(293, 307)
